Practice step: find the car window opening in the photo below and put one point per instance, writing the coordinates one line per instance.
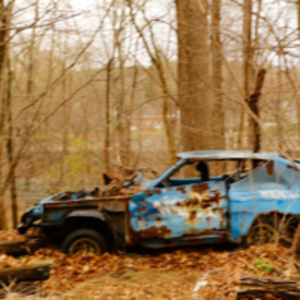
(228, 171)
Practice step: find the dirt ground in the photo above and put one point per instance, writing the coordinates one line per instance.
(197, 273)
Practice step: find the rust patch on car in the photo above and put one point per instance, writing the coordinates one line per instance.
(157, 191)
(153, 233)
(200, 188)
(192, 217)
(215, 199)
(141, 209)
(158, 221)
(189, 203)
(206, 205)
(182, 189)
(208, 220)
(203, 202)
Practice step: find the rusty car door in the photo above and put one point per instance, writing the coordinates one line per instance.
(192, 211)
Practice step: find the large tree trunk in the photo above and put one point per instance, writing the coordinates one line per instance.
(5, 18)
(193, 76)
(218, 109)
(298, 94)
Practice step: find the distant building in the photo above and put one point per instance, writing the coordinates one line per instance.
(150, 122)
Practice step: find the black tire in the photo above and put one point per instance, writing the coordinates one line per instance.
(263, 231)
(85, 240)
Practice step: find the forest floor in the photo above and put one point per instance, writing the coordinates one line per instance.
(194, 273)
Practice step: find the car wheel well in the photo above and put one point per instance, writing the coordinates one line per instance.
(273, 217)
(276, 216)
(75, 223)
(284, 224)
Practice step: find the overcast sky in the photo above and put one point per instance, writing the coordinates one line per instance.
(81, 18)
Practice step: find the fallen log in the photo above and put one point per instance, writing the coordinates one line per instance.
(35, 272)
(21, 247)
(266, 288)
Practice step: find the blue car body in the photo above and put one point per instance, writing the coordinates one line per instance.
(202, 212)
(183, 211)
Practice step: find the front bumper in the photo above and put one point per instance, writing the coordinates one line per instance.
(22, 228)
(28, 218)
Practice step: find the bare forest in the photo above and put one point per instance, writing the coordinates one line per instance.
(121, 87)
(117, 85)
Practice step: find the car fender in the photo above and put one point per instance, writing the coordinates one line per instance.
(92, 219)
(87, 214)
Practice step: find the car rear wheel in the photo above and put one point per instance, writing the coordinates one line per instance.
(261, 233)
(86, 240)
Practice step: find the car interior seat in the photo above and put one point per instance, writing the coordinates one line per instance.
(202, 167)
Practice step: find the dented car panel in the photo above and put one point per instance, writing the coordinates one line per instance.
(182, 211)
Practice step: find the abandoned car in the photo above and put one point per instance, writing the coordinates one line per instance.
(206, 197)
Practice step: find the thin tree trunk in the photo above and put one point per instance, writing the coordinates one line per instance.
(247, 50)
(10, 148)
(66, 119)
(121, 137)
(278, 107)
(129, 116)
(218, 121)
(107, 117)
(248, 68)
(254, 107)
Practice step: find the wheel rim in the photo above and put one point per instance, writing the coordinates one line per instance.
(260, 234)
(85, 245)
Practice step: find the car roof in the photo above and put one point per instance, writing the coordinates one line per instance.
(226, 154)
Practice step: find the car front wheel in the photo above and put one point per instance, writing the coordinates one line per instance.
(85, 240)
